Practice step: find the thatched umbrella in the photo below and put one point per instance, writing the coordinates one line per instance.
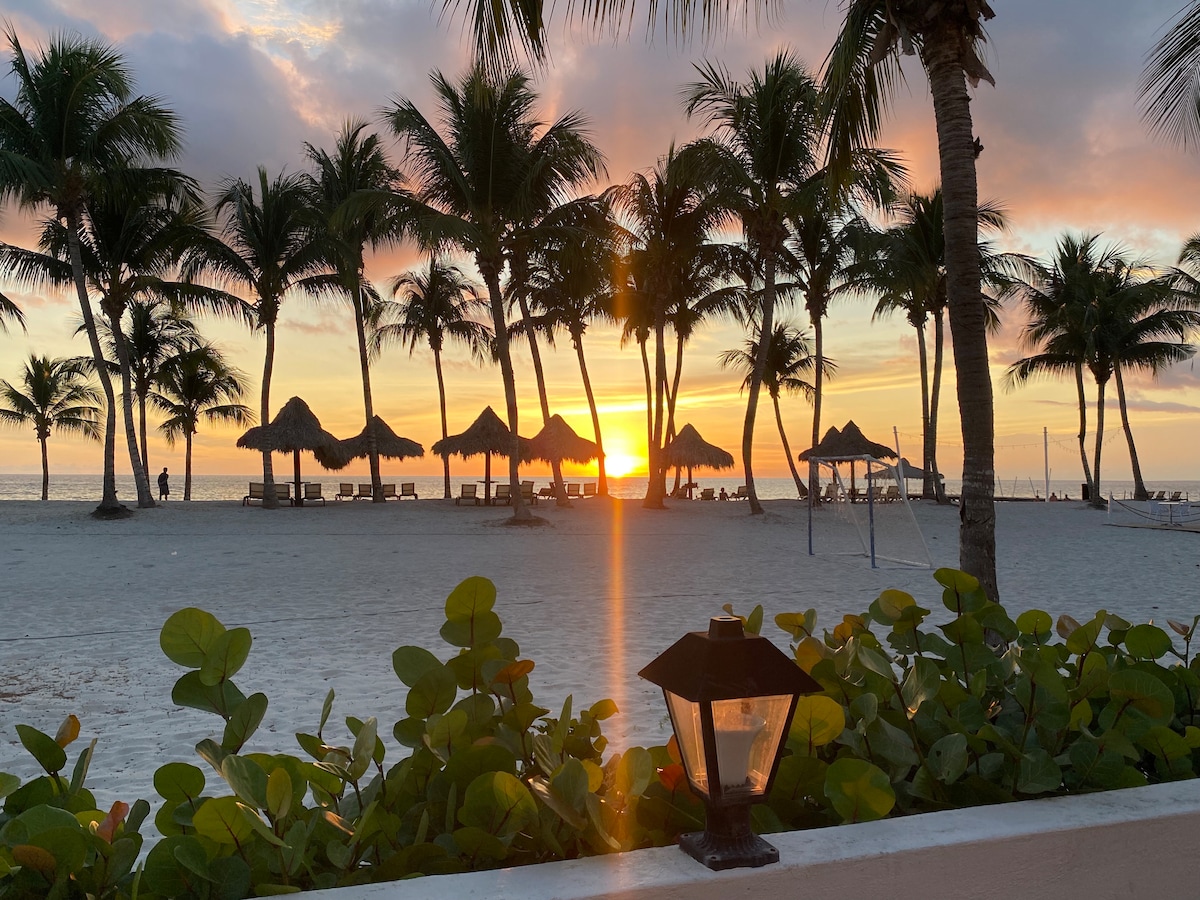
(557, 441)
(387, 444)
(848, 444)
(692, 451)
(293, 429)
(487, 435)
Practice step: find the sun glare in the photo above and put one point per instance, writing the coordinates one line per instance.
(619, 464)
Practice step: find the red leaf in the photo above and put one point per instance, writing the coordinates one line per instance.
(107, 828)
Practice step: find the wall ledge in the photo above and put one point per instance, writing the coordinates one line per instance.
(1139, 842)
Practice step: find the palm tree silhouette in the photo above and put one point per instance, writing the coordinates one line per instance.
(435, 305)
(54, 393)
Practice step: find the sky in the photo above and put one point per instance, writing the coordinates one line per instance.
(252, 80)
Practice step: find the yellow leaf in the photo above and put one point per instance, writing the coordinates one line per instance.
(67, 731)
(809, 652)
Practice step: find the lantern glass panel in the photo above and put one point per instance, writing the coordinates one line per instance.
(748, 732)
(685, 718)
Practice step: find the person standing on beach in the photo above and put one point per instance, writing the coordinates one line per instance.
(164, 488)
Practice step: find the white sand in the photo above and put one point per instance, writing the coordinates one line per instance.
(329, 593)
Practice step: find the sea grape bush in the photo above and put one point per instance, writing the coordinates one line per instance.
(977, 709)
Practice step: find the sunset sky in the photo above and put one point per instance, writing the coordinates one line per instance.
(254, 79)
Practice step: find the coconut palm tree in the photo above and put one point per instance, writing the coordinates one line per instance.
(1169, 90)
(271, 244)
(196, 384)
(343, 186)
(673, 217)
(435, 306)
(54, 393)
(790, 361)
(485, 180)
(10, 310)
(74, 132)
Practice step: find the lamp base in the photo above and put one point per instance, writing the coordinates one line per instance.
(728, 842)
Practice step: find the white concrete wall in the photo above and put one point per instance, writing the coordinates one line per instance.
(1137, 843)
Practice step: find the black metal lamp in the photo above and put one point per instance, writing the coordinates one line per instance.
(731, 696)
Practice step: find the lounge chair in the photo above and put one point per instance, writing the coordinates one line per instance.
(345, 491)
(708, 494)
(876, 493)
(408, 489)
(1161, 495)
(312, 492)
(283, 492)
(389, 491)
(547, 491)
(589, 490)
(573, 492)
(527, 494)
(1176, 496)
(831, 493)
(503, 495)
(364, 492)
(742, 493)
(892, 494)
(469, 492)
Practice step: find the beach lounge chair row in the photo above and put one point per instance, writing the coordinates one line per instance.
(257, 492)
(346, 491)
(1175, 497)
(503, 493)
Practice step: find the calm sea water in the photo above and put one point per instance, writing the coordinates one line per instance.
(233, 487)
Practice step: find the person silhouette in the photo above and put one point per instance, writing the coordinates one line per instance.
(164, 487)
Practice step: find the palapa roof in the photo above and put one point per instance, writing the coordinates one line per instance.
(295, 427)
(690, 450)
(487, 434)
(387, 443)
(848, 443)
(558, 441)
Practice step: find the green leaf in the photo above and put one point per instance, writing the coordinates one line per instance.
(817, 721)
(754, 620)
(472, 632)
(475, 843)
(226, 656)
(1143, 691)
(171, 866)
(410, 663)
(892, 604)
(1035, 622)
(43, 748)
(246, 718)
(1082, 639)
(923, 681)
(434, 692)
(858, 790)
(872, 659)
(326, 709)
(8, 784)
(177, 781)
(948, 758)
(963, 593)
(602, 709)
(188, 635)
(1165, 743)
(364, 749)
(220, 820)
(247, 779)
(190, 691)
(498, 803)
(634, 772)
(279, 793)
(1147, 642)
(469, 763)
(473, 596)
(1038, 773)
(259, 826)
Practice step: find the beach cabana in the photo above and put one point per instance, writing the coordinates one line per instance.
(557, 442)
(909, 472)
(387, 443)
(847, 445)
(486, 435)
(692, 451)
(294, 429)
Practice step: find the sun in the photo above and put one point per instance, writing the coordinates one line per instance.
(619, 464)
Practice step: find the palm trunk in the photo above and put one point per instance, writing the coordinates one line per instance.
(787, 450)
(927, 491)
(672, 397)
(765, 331)
(601, 477)
(364, 366)
(270, 501)
(145, 498)
(141, 395)
(649, 397)
(935, 396)
(814, 476)
(1139, 486)
(968, 326)
(491, 277)
(1097, 500)
(657, 482)
(109, 505)
(437, 366)
(45, 469)
(1083, 456)
(187, 467)
(560, 491)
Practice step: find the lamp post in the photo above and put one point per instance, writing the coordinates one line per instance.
(731, 696)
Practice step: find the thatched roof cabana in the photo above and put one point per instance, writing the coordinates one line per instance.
(486, 435)
(387, 443)
(557, 441)
(692, 451)
(293, 429)
(848, 445)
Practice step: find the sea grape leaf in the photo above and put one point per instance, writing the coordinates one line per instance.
(1038, 773)
(247, 779)
(188, 635)
(1144, 692)
(634, 772)
(364, 749)
(498, 803)
(67, 732)
(922, 683)
(178, 781)
(226, 655)
(473, 596)
(475, 843)
(279, 793)
(220, 820)
(469, 763)
(1082, 639)
(221, 699)
(49, 755)
(473, 631)
(948, 758)
(434, 692)
(1147, 642)
(411, 663)
(817, 721)
(8, 784)
(244, 721)
(1035, 622)
(326, 709)
(858, 790)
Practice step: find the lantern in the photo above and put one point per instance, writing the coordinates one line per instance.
(731, 697)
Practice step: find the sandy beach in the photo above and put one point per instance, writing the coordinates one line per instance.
(591, 596)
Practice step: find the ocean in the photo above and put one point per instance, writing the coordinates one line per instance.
(233, 487)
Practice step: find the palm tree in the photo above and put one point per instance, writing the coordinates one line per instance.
(10, 310)
(198, 383)
(790, 361)
(54, 393)
(1169, 90)
(74, 132)
(270, 244)
(487, 182)
(435, 306)
(347, 189)
(672, 217)
(767, 137)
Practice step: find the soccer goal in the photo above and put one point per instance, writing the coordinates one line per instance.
(868, 515)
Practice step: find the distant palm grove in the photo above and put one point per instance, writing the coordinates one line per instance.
(782, 209)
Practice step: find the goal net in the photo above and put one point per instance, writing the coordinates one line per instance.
(863, 510)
